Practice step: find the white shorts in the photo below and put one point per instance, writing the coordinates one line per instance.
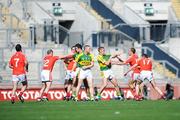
(70, 75)
(46, 76)
(77, 71)
(108, 74)
(146, 75)
(133, 76)
(85, 74)
(19, 78)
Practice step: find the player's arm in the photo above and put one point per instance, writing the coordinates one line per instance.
(89, 66)
(103, 61)
(131, 68)
(10, 64)
(65, 66)
(74, 66)
(126, 62)
(116, 54)
(120, 60)
(66, 56)
(26, 65)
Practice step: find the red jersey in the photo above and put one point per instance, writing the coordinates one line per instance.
(70, 65)
(145, 64)
(17, 61)
(48, 62)
(132, 60)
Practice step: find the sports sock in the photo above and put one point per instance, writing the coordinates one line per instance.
(21, 93)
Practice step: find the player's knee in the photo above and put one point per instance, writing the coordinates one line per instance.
(25, 83)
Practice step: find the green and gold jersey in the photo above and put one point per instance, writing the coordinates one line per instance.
(84, 60)
(75, 57)
(101, 60)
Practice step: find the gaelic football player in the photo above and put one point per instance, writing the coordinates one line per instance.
(134, 74)
(85, 62)
(104, 61)
(145, 65)
(19, 65)
(46, 74)
(70, 73)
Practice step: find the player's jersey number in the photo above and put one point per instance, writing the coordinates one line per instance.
(16, 61)
(46, 62)
(146, 62)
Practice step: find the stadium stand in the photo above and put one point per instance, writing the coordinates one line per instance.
(115, 18)
(176, 6)
(104, 23)
(97, 30)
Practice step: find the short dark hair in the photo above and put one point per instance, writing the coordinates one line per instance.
(73, 47)
(145, 55)
(49, 51)
(133, 50)
(78, 46)
(100, 48)
(86, 46)
(18, 47)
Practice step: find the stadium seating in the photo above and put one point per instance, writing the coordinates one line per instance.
(162, 70)
(105, 25)
(115, 19)
(176, 6)
(13, 22)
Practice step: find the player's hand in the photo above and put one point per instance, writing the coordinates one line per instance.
(125, 74)
(84, 67)
(60, 56)
(107, 62)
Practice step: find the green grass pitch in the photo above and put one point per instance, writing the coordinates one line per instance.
(101, 110)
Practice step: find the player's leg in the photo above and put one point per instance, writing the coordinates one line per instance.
(115, 83)
(103, 85)
(153, 84)
(80, 81)
(13, 94)
(41, 91)
(24, 82)
(131, 80)
(138, 89)
(86, 85)
(91, 88)
(45, 94)
(75, 82)
(132, 84)
(69, 88)
(81, 77)
(105, 74)
(65, 87)
(74, 86)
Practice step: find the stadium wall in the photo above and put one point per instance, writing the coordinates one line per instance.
(108, 93)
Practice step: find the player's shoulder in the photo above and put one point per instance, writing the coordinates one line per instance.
(91, 55)
(80, 54)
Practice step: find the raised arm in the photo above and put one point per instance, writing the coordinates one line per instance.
(70, 55)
